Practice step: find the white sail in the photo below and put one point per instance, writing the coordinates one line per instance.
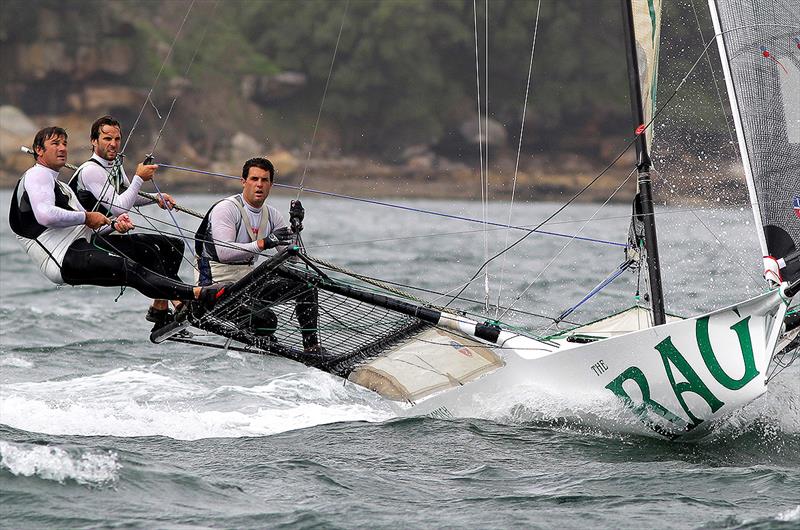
(759, 45)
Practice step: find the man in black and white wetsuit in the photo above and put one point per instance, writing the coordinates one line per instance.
(237, 229)
(70, 245)
(101, 185)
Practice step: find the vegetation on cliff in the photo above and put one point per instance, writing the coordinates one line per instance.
(401, 97)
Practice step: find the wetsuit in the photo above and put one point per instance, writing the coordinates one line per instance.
(102, 185)
(103, 179)
(49, 222)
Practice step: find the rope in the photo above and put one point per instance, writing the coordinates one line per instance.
(392, 287)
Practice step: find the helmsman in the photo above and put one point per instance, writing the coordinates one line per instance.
(237, 229)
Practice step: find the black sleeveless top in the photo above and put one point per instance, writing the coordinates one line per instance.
(87, 198)
(21, 218)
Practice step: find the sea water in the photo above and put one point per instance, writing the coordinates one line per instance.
(100, 428)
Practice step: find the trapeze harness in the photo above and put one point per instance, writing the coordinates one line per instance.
(77, 256)
(45, 246)
(86, 197)
(209, 267)
(158, 252)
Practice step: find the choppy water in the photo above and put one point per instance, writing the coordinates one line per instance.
(101, 428)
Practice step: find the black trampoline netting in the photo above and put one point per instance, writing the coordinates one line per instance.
(291, 310)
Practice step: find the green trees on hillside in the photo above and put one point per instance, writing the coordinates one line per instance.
(405, 70)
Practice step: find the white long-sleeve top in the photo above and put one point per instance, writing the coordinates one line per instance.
(63, 226)
(39, 182)
(231, 240)
(94, 178)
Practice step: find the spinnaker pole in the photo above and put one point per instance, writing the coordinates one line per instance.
(643, 165)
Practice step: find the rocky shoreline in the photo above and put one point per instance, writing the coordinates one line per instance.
(420, 174)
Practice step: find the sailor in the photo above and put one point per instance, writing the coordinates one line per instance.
(237, 229)
(71, 245)
(101, 185)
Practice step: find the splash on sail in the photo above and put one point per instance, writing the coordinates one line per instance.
(759, 44)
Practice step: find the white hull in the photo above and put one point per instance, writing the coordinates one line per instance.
(673, 378)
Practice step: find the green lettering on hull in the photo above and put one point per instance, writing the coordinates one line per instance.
(693, 382)
(648, 404)
(742, 330)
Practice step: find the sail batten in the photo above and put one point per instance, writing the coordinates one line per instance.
(759, 45)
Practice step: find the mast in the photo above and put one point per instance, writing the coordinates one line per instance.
(643, 165)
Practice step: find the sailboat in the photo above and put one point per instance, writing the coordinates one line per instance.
(674, 377)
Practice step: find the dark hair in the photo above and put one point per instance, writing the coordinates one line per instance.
(99, 122)
(259, 162)
(45, 134)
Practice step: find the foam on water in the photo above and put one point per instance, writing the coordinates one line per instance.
(792, 514)
(13, 361)
(134, 402)
(54, 463)
(532, 403)
(775, 413)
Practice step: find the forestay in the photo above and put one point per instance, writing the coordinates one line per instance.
(759, 43)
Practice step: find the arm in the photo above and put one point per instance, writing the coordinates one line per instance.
(39, 186)
(95, 179)
(224, 218)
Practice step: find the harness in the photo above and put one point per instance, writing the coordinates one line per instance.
(205, 247)
(86, 197)
(38, 239)
(21, 217)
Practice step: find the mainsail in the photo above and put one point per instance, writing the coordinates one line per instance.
(759, 43)
(647, 33)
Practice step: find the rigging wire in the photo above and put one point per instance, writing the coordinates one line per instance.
(567, 244)
(481, 165)
(166, 120)
(747, 271)
(363, 277)
(519, 148)
(732, 143)
(158, 76)
(731, 137)
(322, 103)
(641, 128)
(120, 157)
(486, 161)
(403, 238)
(555, 213)
(407, 208)
(117, 164)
